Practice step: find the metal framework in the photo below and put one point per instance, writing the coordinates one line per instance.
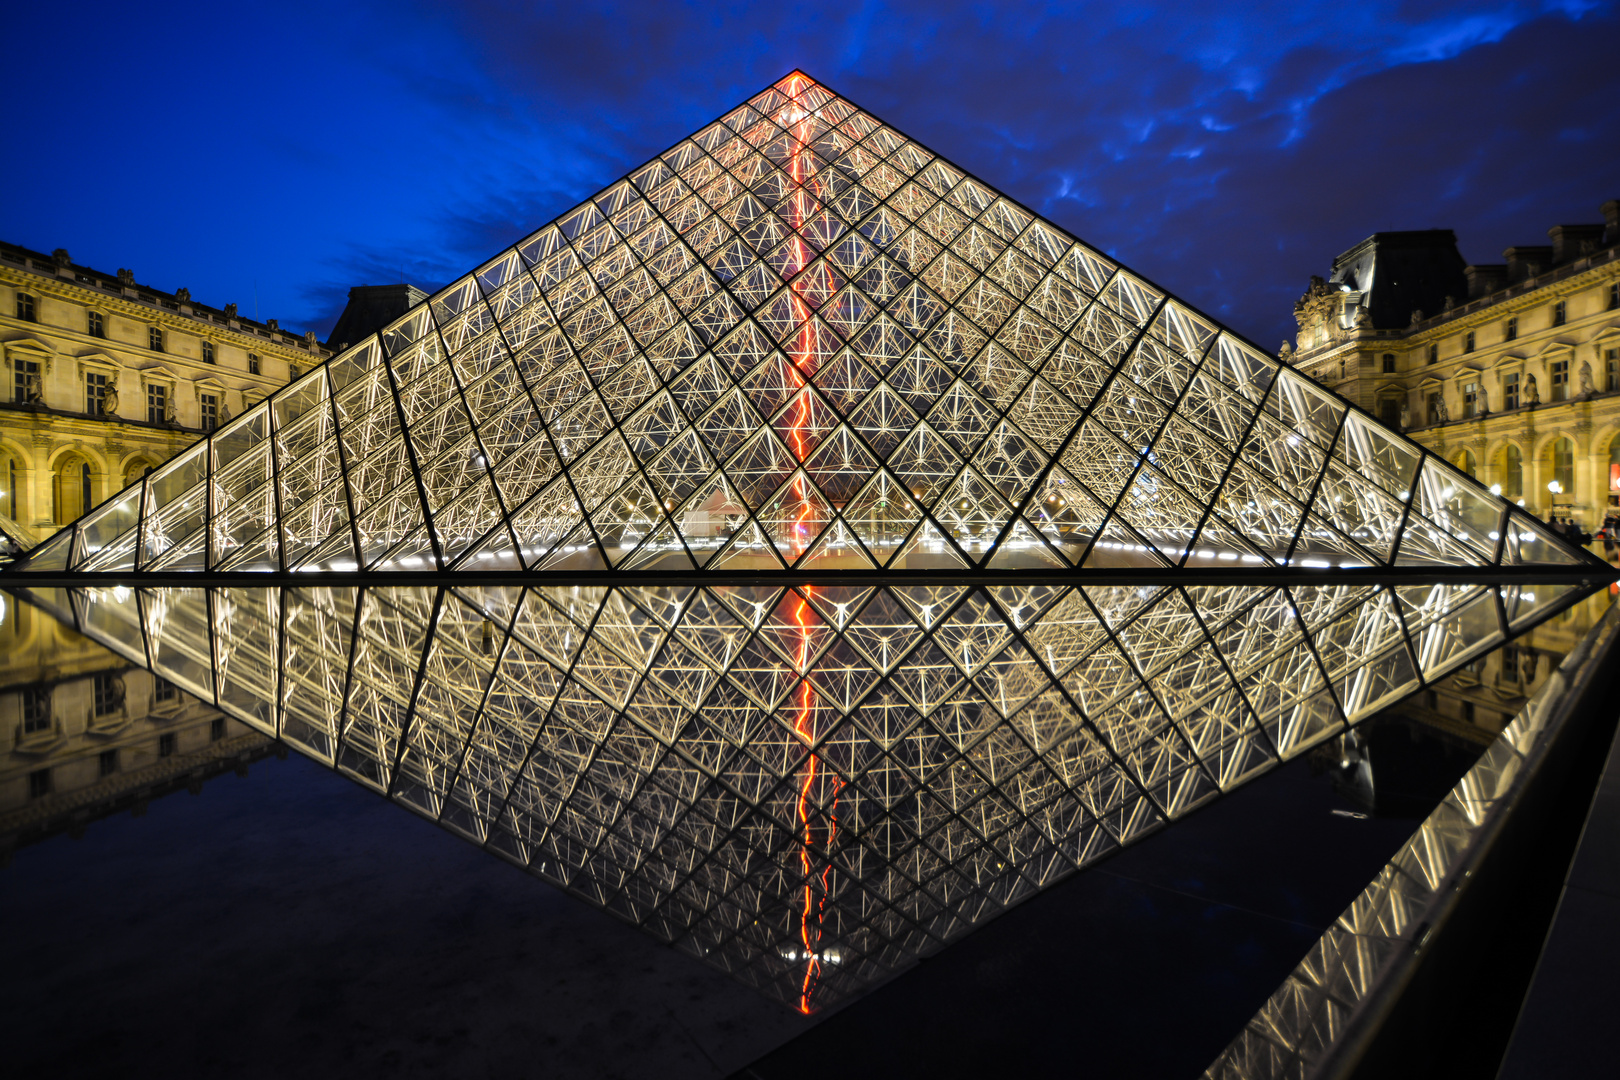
(803, 551)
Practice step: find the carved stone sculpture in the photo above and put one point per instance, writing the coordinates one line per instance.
(1406, 415)
(1586, 377)
(109, 400)
(230, 311)
(33, 388)
(1418, 316)
(183, 295)
(1363, 318)
(126, 276)
(1532, 396)
(1286, 352)
(1441, 412)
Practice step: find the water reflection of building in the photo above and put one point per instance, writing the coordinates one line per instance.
(87, 735)
(1457, 717)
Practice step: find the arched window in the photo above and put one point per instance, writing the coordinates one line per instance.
(1467, 463)
(1512, 472)
(1614, 466)
(1563, 464)
(73, 489)
(11, 475)
(135, 470)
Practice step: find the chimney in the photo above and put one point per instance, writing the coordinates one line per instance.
(1484, 280)
(1611, 218)
(1526, 262)
(1571, 242)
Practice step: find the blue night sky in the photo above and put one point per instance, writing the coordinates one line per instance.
(275, 153)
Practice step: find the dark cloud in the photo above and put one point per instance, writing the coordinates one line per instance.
(1227, 155)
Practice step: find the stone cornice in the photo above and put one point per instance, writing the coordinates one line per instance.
(84, 295)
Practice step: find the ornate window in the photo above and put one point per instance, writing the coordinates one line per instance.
(36, 710)
(154, 338)
(1510, 390)
(1437, 406)
(95, 392)
(1611, 369)
(253, 363)
(1560, 380)
(1468, 463)
(95, 324)
(1470, 401)
(157, 403)
(109, 693)
(208, 411)
(23, 373)
(208, 352)
(25, 308)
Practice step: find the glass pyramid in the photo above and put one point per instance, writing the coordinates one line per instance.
(803, 551)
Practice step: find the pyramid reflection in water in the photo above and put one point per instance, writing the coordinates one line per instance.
(802, 551)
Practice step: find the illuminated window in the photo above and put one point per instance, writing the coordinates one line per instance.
(1468, 464)
(25, 307)
(154, 338)
(1512, 473)
(72, 489)
(11, 489)
(1510, 390)
(1560, 380)
(95, 324)
(1563, 464)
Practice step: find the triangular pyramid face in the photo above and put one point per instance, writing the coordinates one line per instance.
(804, 552)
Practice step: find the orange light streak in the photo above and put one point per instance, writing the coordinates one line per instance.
(805, 347)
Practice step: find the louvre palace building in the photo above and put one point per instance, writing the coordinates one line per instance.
(1511, 372)
(805, 553)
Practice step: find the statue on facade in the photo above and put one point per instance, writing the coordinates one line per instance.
(183, 295)
(1441, 413)
(1417, 316)
(109, 400)
(1406, 415)
(33, 389)
(1285, 352)
(168, 413)
(1364, 318)
(1532, 396)
(230, 311)
(1586, 378)
(126, 276)
(274, 324)
(1451, 302)
(1484, 402)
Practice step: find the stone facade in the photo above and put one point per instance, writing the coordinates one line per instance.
(1510, 371)
(105, 378)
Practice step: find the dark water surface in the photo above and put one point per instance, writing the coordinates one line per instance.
(291, 923)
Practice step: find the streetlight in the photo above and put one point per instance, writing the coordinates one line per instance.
(1555, 487)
